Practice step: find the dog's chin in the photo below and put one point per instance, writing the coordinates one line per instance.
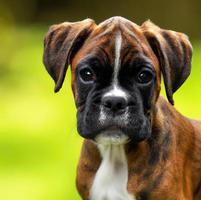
(111, 137)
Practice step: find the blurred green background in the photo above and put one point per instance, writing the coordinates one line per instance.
(39, 145)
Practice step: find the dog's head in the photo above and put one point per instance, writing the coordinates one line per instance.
(116, 68)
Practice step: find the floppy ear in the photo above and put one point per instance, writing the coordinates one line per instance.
(174, 52)
(61, 43)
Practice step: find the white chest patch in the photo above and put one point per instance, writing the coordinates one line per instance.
(111, 179)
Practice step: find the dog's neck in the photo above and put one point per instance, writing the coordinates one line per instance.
(111, 179)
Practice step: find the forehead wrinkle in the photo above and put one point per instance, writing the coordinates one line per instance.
(102, 45)
(139, 45)
(134, 48)
(132, 31)
(105, 53)
(138, 40)
(134, 41)
(129, 55)
(100, 33)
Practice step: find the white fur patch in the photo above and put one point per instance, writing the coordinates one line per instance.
(111, 179)
(110, 182)
(125, 117)
(116, 91)
(121, 119)
(112, 137)
(117, 61)
(102, 116)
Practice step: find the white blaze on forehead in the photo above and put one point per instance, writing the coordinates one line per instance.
(111, 179)
(117, 61)
(116, 90)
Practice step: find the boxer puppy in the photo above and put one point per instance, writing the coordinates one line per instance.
(137, 146)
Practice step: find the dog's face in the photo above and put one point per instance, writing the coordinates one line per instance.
(115, 81)
(116, 69)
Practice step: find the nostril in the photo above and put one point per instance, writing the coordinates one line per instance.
(121, 105)
(107, 104)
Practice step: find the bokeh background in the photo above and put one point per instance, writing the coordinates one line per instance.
(39, 145)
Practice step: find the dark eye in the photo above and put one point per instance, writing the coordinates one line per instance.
(87, 75)
(144, 76)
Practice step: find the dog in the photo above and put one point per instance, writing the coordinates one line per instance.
(137, 146)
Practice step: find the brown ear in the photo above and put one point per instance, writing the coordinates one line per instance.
(61, 43)
(174, 52)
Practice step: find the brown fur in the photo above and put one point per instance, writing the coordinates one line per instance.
(168, 164)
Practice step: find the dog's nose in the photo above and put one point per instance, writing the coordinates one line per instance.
(114, 104)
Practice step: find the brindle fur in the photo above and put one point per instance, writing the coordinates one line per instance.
(166, 165)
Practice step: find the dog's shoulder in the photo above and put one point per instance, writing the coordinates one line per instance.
(187, 136)
(197, 126)
(182, 129)
(197, 138)
(169, 114)
(196, 158)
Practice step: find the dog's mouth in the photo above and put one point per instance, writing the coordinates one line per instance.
(112, 136)
(108, 130)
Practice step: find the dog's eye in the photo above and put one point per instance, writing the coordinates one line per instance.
(87, 75)
(144, 76)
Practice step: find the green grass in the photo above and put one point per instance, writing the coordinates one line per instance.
(39, 145)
